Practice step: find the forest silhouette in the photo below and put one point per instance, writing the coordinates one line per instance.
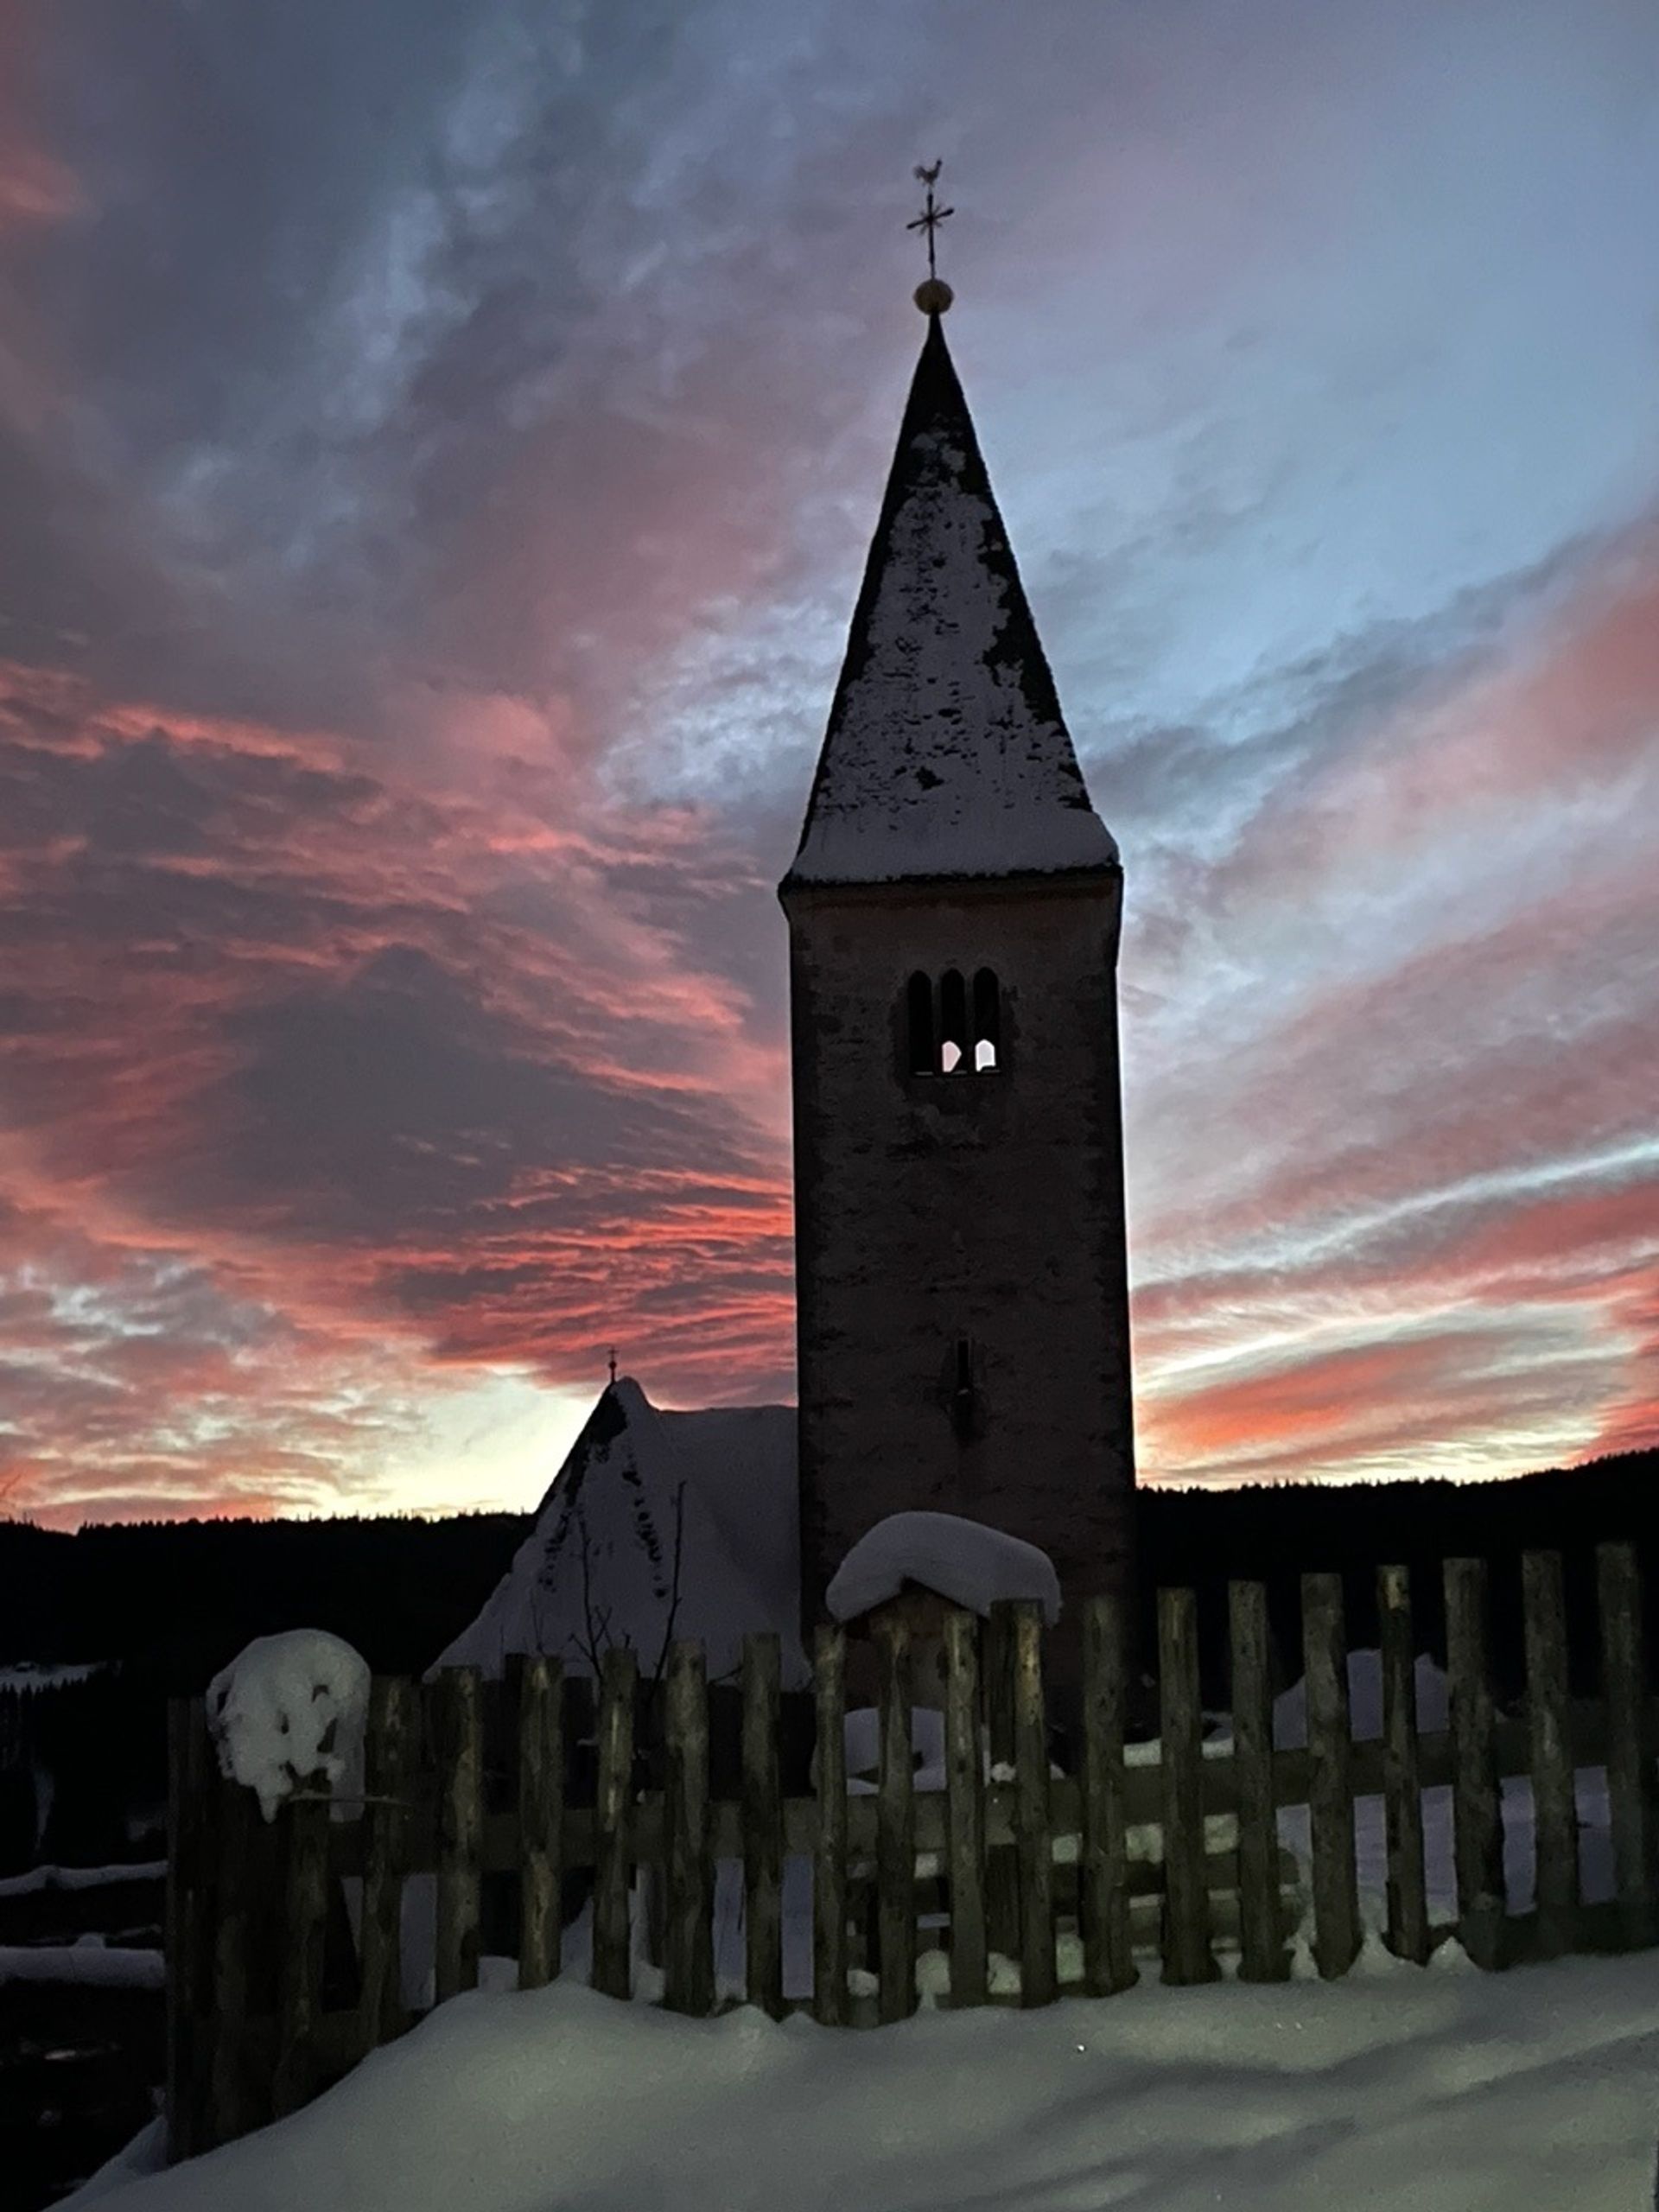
(163, 1604)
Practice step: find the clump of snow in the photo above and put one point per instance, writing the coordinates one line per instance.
(966, 1561)
(933, 1977)
(1002, 1975)
(1071, 1963)
(289, 1708)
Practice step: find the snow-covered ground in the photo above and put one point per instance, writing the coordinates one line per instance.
(1436, 2089)
(89, 1961)
(81, 1878)
(1439, 2090)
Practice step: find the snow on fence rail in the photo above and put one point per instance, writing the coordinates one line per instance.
(285, 1939)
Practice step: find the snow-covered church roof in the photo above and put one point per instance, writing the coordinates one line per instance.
(946, 754)
(599, 1566)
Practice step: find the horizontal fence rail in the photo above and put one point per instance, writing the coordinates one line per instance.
(1036, 1858)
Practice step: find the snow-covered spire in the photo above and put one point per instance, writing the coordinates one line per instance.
(946, 754)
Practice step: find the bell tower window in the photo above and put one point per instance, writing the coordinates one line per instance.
(987, 1024)
(953, 1022)
(953, 1027)
(963, 1406)
(919, 1024)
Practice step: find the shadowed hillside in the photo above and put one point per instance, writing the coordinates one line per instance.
(187, 1595)
(184, 1597)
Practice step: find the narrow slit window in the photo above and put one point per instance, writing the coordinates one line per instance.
(953, 1022)
(962, 1397)
(918, 1023)
(988, 1037)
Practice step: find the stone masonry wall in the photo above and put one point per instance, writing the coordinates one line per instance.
(984, 1206)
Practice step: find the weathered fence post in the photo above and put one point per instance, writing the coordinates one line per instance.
(541, 1819)
(305, 1910)
(458, 1732)
(190, 1772)
(1187, 1955)
(1102, 1868)
(234, 1811)
(895, 1854)
(1554, 1807)
(1631, 1782)
(1403, 1799)
(187, 1935)
(830, 1854)
(389, 1786)
(965, 1809)
(1034, 1845)
(689, 1980)
(1262, 1957)
(1002, 1870)
(613, 1822)
(763, 1825)
(1476, 1809)
(1330, 1790)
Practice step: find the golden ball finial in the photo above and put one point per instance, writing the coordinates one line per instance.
(933, 296)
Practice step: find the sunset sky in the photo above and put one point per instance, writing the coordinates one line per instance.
(439, 441)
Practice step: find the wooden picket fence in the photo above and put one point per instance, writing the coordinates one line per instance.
(1032, 1877)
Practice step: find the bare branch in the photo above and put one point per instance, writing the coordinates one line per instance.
(674, 1583)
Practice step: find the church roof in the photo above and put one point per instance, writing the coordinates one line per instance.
(946, 754)
(640, 1487)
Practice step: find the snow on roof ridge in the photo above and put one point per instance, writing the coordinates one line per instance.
(628, 1450)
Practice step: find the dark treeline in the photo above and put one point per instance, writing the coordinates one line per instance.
(185, 1596)
(81, 1768)
(179, 1599)
(1276, 1533)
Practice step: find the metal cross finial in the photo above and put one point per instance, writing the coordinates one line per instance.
(613, 1362)
(931, 217)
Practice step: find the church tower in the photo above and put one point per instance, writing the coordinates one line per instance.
(953, 917)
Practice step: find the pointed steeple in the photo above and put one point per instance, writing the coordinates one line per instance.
(946, 753)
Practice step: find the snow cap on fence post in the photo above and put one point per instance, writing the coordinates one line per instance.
(965, 1561)
(288, 1708)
